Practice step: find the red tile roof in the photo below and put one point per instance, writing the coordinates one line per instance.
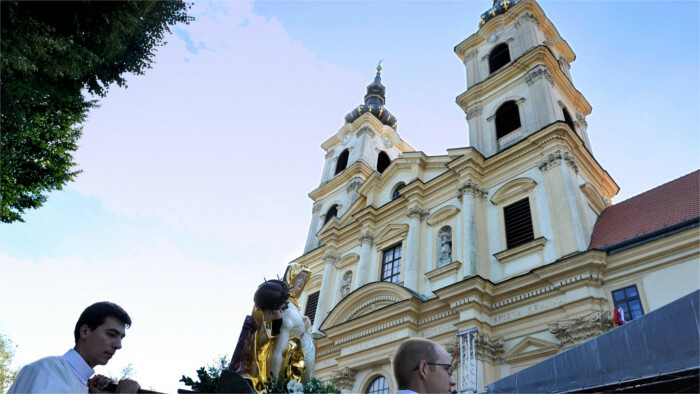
(666, 205)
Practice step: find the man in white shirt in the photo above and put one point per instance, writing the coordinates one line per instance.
(422, 366)
(98, 335)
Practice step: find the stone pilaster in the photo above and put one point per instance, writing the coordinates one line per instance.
(363, 267)
(466, 192)
(410, 275)
(330, 259)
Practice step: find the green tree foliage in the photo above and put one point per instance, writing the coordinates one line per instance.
(50, 53)
(7, 374)
(208, 376)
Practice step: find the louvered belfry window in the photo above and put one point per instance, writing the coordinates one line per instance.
(507, 118)
(311, 304)
(518, 223)
(499, 57)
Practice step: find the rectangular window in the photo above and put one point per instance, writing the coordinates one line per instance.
(518, 223)
(311, 304)
(628, 299)
(391, 266)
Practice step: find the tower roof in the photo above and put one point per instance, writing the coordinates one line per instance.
(499, 7)
(374, 103)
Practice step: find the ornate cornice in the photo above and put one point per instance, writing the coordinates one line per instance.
(331, 257)
(366, 238)
(555, 159)
(472, 188)
(574, 331)
(474, 111)
(526, 17)
(344, 378)
(538, 73)
(417, 212)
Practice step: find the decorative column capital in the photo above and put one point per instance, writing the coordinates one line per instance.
(537, 73)
(417, 212)
(353, 185)
(474, 111)
(581, 119)
(329, 154)
(488, 349)
(572, 332)
(470, 187)
(316, 207)
(366, 238)
(554, 159)
(366, 130)
(344, 378)
(526, 17)
(471, 55)
(331, 258)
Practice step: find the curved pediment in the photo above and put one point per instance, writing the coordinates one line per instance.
(513, 188)
(366, 299)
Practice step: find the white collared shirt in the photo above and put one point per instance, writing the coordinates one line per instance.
(81, 370)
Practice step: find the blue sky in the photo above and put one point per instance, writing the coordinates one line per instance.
(196, 177)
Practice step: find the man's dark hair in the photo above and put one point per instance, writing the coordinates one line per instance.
(96, 314)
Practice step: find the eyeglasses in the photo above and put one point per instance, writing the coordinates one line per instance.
(449, 367)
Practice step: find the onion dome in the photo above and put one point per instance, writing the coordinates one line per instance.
(499, 7)
(374, 103)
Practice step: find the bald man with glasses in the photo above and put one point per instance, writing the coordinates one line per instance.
(422, 366)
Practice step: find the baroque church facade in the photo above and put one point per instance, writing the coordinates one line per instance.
(505, 252)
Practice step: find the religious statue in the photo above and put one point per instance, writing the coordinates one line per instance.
(445, 256)
(276, 339)
(345, 284)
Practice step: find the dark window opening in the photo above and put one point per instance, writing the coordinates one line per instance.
(518, 223)
(379, 386)
(311, 304)
(567, 119)
(331, 213)
(395, 194)
(383, 161)
(499, 57)
(391, 266)
(342, 161)
(628, 299)
(507, 118)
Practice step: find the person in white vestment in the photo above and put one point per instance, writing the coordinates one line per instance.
(98, 335)
(422, 366)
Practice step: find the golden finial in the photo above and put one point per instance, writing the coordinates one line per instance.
(379, 66)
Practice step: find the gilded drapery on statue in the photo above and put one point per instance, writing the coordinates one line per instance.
(276, 338)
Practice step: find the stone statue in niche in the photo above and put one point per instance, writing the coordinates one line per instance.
(445, 237)
(345, 284)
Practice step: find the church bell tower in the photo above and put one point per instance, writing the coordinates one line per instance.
(518, 78)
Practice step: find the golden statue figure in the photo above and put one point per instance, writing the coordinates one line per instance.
(276, 340)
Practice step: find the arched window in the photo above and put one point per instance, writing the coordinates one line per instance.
(379, 386)
(332, 212)
(507, 118)
(567, 119)
(383, 161)
(499, 57)
(342, 161)
(395, 194)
